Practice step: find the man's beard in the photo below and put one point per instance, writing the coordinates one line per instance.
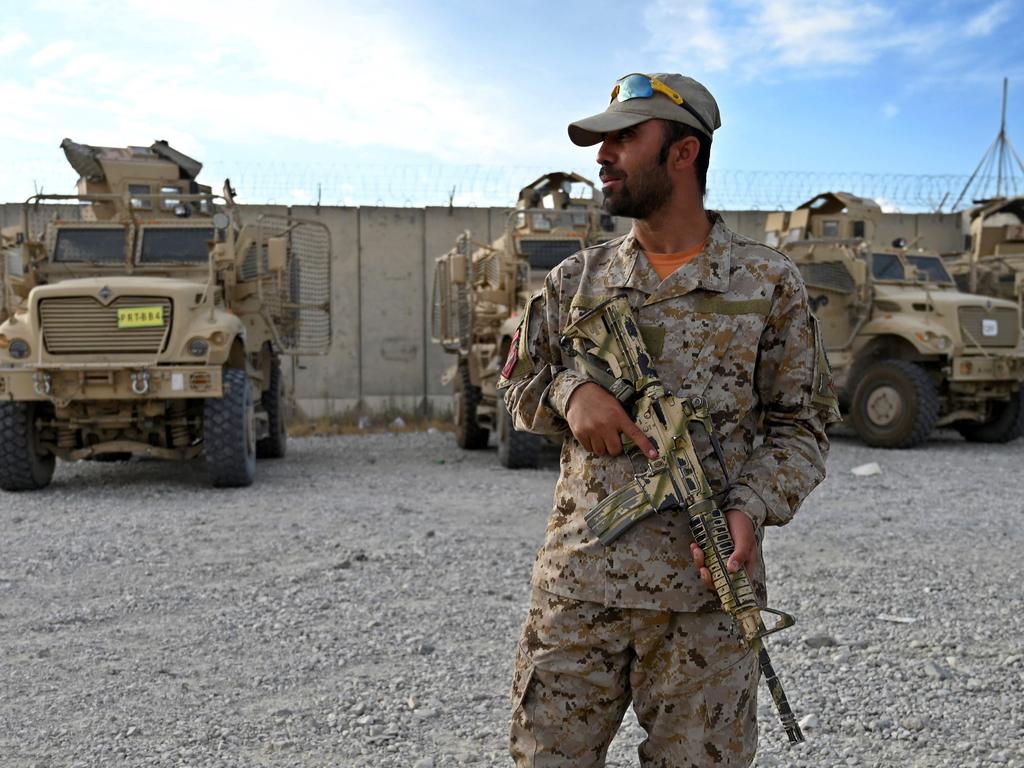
(639, 195)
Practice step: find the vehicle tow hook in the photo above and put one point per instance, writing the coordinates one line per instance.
(42, 383)
(140, 382)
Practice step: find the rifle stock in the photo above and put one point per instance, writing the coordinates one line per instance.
(612, 350)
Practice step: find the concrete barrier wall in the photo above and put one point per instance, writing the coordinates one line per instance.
(382, 280)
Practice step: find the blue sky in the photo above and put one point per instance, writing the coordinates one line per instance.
(396, 102)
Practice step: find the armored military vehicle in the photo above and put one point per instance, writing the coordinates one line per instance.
(910, 351)
(144, 315)
(480, 289)
(993, 264)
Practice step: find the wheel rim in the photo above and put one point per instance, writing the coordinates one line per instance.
(884, 406)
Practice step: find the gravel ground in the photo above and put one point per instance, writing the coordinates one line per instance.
(359, 606)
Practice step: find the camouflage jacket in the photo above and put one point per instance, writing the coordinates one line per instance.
(733, 325)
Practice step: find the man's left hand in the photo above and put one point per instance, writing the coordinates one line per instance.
(744, 554)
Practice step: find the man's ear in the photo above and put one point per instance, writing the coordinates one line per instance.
(683, 154)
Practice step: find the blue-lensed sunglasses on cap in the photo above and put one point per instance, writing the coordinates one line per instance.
(640, 86)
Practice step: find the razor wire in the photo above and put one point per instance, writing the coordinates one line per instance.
(481, 185)
(354, 184)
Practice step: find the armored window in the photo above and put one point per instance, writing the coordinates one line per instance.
(95, 245)
(887, 266)
(858, 228)
(175, 245)
(169, 203)
(140, 196)
(830, 228)
(540, 222)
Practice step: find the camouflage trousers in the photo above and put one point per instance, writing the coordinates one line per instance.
(579, 664)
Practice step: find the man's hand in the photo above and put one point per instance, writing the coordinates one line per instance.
(597, 419)
(745, 553)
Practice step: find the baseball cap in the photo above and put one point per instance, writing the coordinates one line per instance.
(639, 97)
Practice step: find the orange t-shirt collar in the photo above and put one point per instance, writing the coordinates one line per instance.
(667, 263)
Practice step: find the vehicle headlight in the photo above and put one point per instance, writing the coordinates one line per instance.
(942, 342)
(198, 347)
(19, 349)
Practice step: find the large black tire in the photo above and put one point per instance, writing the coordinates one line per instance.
(1005, 424)
(275, 444)
(516, 450)
(229, 436)
(22, 466)
(468, 432)
(895, 405)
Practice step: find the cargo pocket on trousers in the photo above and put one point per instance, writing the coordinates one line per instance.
(521, 678)
(731, 694)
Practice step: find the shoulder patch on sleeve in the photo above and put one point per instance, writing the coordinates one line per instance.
(823, 388)
(518, 362)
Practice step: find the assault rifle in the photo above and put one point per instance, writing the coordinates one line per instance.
(613, 353)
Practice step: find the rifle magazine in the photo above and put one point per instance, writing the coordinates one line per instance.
(618, 512)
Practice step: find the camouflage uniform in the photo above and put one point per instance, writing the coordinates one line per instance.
(634, 619)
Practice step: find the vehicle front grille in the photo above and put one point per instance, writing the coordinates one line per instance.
(80, 325)
(543, 253)
(973, 325)
(829, 275)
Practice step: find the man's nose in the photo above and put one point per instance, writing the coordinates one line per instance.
(605, 154)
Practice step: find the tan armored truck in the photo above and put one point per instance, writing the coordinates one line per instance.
(910, 351)
(480, 289)
(144, 316)
(993, 264)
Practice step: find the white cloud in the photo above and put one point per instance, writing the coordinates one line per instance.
(52, 52)
(802, 33)
(890, 110)
(762, 39)
(984, 23)
(887, 205)
(355, 78)
(12, 42)
(665, 19)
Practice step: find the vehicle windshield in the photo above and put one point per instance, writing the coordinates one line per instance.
(932, 266)
(90, 245)
(175, 245)
(889, 266)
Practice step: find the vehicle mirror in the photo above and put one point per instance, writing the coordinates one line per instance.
(221, 221)
(457, 268)
(277, 253)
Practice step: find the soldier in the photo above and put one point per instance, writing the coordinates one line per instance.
(724, 317)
